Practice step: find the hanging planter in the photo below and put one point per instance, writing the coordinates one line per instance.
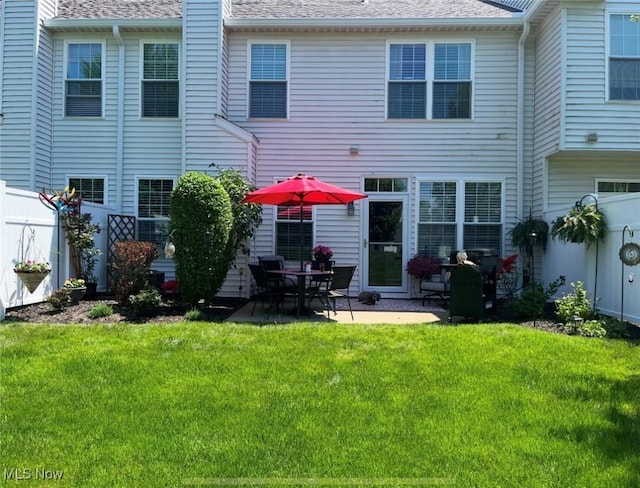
(582, 224)
(32, 273)
(32, 279)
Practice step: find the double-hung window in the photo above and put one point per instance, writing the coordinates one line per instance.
(429, 81)
(456, 215)
(624, 58)
(289, 233)
(89, 189)
(153, 209)
(268, 81)
(83, 80)
(160, 81)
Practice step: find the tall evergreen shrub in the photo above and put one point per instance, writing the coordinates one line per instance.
(200, 224)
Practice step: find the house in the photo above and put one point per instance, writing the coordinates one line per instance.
(456, 117)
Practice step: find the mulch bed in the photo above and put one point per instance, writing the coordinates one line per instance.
(169, 311)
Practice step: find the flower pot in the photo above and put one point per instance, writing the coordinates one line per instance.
(92, 290)
(32, 280)
(76, 294)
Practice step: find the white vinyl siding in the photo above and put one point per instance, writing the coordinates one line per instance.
(437, 72)
(83, 81)
(587, 106)
(160, 86)
(268, 81)
(624, 58)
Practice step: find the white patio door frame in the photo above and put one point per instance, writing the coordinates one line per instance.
(401, 291)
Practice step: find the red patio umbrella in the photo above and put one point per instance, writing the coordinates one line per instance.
(302, 191)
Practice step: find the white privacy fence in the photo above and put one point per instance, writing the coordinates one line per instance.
(617, 288)
(30, 231)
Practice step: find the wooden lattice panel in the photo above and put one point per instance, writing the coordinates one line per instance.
(119, 228)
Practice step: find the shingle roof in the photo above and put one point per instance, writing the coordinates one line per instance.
(281, 9)
(120, 9)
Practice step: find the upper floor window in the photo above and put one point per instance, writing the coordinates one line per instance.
(89, 189)
(83, 83)
(268, 81)
(442, 70)
(624, 60)
(160, 85)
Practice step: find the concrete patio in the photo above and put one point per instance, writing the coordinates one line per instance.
(386, 311)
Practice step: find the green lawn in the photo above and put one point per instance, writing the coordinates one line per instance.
(197, 404)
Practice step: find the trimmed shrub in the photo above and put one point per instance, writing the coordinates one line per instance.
(59, 298)
(131, 265)
(201, 221)
(146, 302)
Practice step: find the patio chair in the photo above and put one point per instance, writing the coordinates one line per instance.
(268, 288)
(440, 288)
(337, 287)
(274, 263)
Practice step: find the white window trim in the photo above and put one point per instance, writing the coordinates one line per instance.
(82, 176)
(287, 43)
(103, 82)
(141, 78)
(460, 195)
(429, 74)
(607, 46)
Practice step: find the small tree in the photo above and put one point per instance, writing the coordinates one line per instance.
(131, 264)
(201, 221)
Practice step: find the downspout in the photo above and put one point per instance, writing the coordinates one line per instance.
(119, 119)
(520, 122)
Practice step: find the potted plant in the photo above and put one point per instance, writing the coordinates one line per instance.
(583, 223)
(31, 273)
(88, 261)
(76, 287)
(421, 266)
(80, 233)
(322, 254)
(521, 233)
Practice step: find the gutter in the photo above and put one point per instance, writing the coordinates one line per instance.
(119, 118)
(108, 24)
(372, 23)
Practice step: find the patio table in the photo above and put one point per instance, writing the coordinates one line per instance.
(301, 276)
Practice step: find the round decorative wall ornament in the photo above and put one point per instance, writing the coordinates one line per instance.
(630, 254)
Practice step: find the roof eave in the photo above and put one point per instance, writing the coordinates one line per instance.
(373, 23)
(61, 25)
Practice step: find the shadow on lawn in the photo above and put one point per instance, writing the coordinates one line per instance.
(619, 440)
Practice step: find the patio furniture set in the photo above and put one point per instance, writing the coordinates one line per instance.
(275, 283)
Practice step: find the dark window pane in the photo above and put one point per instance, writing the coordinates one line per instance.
(288, 240)
(160, 98)
(452, 100)
(89, 189)
(482, 236)
(268, 99)
(624, 79)
(407, 100)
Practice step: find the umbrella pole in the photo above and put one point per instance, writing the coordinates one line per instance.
(301, 237)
